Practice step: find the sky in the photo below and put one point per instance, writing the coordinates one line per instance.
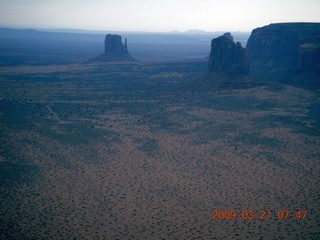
(155, 15)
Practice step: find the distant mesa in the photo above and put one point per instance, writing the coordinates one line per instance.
(282, 50)
(227, 56)
(114, 50)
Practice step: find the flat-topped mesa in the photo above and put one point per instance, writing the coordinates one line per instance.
(227, 56)
(280, 50)
(114, 50)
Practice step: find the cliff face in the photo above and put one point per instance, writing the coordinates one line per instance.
(283, 49)
(113, 44)
(227, 56)
(309, 57)
(114, 50)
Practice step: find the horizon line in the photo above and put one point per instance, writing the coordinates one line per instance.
(83, 30)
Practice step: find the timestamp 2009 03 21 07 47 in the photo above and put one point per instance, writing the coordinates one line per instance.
(262, 214)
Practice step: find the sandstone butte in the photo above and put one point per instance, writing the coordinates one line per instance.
(227, 56)
(114, 50)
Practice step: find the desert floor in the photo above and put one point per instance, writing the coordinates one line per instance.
(129, 151)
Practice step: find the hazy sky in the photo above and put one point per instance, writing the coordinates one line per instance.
(156, 15)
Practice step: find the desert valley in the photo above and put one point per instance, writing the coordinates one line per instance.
(121, 147)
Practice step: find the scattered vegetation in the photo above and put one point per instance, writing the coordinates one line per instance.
(128, 151)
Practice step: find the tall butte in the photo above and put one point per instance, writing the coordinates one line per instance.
(114, 50)
(228, 67)
(227, 56)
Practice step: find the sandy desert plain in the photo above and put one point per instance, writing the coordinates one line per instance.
(132, 151)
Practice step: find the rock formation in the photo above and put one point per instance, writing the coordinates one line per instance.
(283, 49)
(114, 50)
(227, 56)
(228, 35)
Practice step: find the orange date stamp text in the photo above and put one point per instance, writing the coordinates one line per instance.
(261, 215)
